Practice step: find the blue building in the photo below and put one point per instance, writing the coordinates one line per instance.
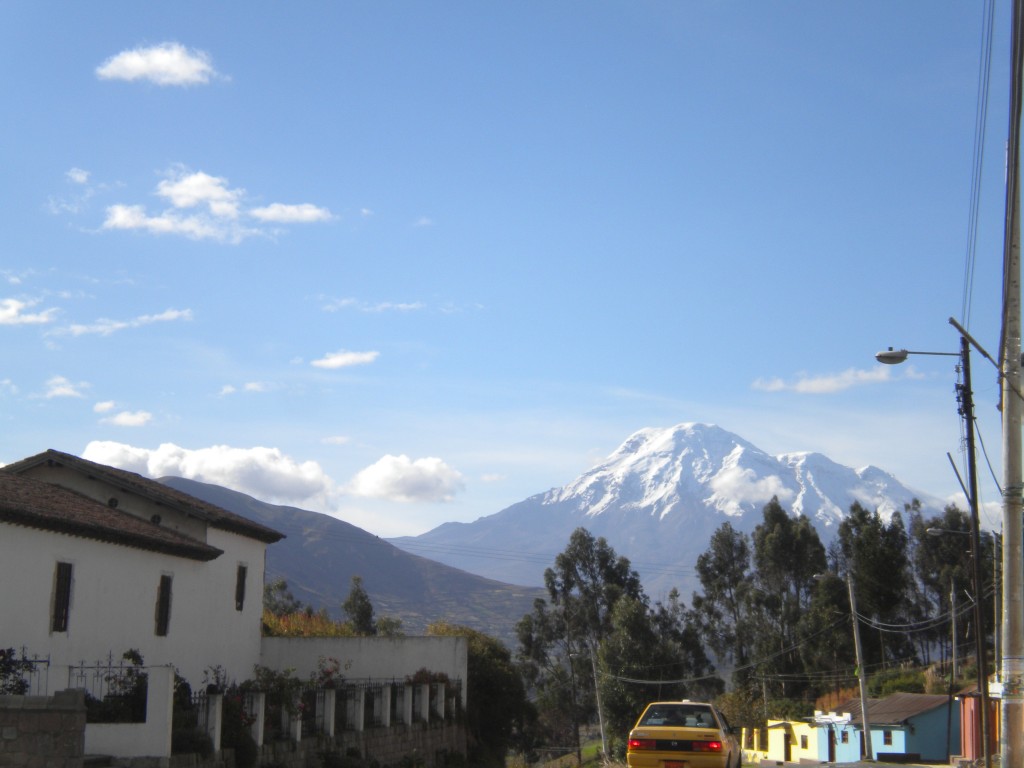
(924, 726)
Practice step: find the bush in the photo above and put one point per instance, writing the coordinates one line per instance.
(12, 672)
(191, 741)
(896, 681)
(125, 701)
(234, 732)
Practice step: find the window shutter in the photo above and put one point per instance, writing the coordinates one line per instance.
(240, 587)
(61, 598)
(163, 606)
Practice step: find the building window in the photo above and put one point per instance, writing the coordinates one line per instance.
(845, 737)
(61, 598)
(240, 587)
(887, 738)
(163, 606)
(803, 741)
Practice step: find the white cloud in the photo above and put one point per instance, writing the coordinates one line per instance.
(423, 221)
(188, 190)
(818, 385)
(206, 207)
(81, 193)
(198, 227)
(291, 214)
(343, 359)
(228, 389)
(257, 386)
(398, 478)
(8, 387)
(105, 407)
(335, 305)
(129, 419)
(77, 176)
(105, 327)
(738, 486)
(164, 64)
(265, 473)
(335, 440)
(12, 312)
(59, 386)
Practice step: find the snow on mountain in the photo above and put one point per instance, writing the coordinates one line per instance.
(657, 499)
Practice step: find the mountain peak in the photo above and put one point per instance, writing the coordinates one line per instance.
(660, 495)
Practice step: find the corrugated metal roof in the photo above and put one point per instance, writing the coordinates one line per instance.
(895, 709)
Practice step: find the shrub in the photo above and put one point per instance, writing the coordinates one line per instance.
(191, 741)
(125, 700)
(13, 669)
(896, 681)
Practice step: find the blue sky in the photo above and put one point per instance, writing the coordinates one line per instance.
(414, 262)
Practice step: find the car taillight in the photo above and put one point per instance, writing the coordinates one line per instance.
(707, 746)
(638, 744)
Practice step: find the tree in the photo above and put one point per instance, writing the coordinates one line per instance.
(721, 611)
(358, 609)
(500, 709)
(874, 552)
(650, 655)
(278, 599)
(787, 555)
(560, 640)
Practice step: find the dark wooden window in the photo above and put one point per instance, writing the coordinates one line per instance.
(240, 587)
(845, 738)
(61, 598)
(887, 738)
(163, 606)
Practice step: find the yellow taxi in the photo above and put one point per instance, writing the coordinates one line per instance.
(682, 734)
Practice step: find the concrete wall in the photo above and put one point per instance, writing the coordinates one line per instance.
(149, 739)
(113, 603)
(41, 732)
(381, 658)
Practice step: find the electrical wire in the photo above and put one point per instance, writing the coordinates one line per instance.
(978, 156)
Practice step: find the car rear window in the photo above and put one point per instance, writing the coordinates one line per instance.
(680, 715)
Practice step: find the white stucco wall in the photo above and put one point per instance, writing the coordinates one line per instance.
(113, 603)
(382, 658)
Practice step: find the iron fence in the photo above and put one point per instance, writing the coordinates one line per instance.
(21, 674)
(115, 691)
(311, 706)
(192, 712)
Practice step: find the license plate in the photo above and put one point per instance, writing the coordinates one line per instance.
(675, 764)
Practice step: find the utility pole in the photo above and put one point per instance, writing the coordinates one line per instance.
(967, 411)
(600, 711)
(952, 609)
(1012, 708)
(868, 752)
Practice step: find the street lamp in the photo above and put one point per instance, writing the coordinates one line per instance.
(966, 399)
(868, 752)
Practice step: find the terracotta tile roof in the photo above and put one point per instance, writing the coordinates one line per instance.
(153, 490)
(36, 504)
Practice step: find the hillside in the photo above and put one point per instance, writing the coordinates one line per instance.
(321, 554)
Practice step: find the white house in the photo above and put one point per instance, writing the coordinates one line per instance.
(95, 561)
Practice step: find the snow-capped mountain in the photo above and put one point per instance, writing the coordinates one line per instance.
(657, 500)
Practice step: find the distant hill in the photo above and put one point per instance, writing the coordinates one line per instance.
(657, 500)
(321, 554)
